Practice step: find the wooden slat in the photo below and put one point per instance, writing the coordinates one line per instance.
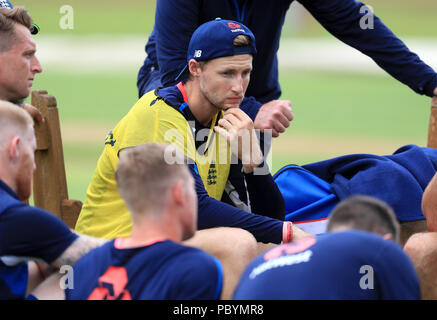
(432, 129)
(70, 212)
(50, 185)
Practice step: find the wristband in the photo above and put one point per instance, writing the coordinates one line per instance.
(287, 232)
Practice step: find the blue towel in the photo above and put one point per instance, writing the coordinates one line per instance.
(312, 191)
(307, 197)
(397, 179)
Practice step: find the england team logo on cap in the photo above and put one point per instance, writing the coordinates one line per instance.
(233, 25)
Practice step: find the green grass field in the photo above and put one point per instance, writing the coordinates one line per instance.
(335, 113)
(404, 17)
(103, 17)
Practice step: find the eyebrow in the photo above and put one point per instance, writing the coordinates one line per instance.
(236, 68)
(30, 51)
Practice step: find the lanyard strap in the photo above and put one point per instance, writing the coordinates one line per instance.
(240, 16)
(186, 112)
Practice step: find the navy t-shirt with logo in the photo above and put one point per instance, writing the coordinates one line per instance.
(347, 265)
(161, 270)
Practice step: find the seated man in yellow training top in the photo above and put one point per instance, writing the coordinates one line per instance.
(201, 117)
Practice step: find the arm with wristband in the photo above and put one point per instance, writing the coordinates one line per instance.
(214, 213)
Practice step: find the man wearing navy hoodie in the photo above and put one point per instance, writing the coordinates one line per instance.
(176, 20)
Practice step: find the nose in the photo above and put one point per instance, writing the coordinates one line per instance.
(36, 65)
(238, 85)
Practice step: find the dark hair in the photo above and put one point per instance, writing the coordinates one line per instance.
(365, 213)
(8, 19)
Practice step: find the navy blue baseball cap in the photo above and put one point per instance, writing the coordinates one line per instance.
(214, 39)
(8, 5)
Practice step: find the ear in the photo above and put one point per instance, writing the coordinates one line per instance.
(194, 67)
(14, 148)
(178, 193)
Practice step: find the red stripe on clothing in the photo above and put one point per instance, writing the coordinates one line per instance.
(297, 222)
(181, 88)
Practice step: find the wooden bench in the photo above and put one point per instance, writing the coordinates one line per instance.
(49, 182)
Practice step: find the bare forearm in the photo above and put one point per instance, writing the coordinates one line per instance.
(50, 289)
(78, 248)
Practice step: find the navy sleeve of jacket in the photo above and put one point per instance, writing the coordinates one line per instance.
(214, 213)
(343, 19)
(250, 106)
(265, 197)
(27, 231)
(175, 22)
(264, 194)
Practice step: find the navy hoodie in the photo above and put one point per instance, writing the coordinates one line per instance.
(176, 20)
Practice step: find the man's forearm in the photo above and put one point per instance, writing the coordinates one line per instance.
(81, 246)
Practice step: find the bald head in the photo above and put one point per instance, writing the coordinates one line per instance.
(17, 148)
(14, 121)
